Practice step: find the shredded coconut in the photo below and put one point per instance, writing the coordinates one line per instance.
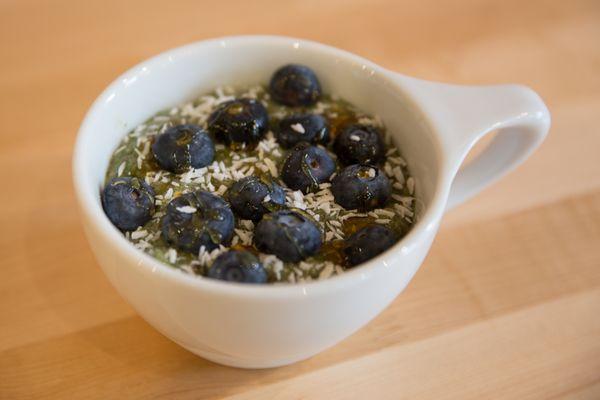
(298, 128)
(121, 168)
(410, 185)
(138, 234)
(187, 209)
(171, 255)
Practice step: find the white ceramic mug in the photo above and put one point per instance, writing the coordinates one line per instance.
(257, 326)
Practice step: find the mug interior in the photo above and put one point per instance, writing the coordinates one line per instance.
(185, 73)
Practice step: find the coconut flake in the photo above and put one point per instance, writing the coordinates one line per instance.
(187, 209)
(298, 128)
(221, 190)
(384, 213)
(327, 271)
(398, 174)
(171, 255)
(121, 168)
(138, 234)
(272, 168)
(383, 221)
(410, 185)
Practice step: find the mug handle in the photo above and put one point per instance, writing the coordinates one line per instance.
(464, 114)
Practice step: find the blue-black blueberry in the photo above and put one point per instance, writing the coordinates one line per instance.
(359, 144)
(291, 235)
(128, 202)
(197, 219)
(238, 266)
(183, 146)
(239, 121)
(251, 197)
(312, 128)
(367, 243)
(306, 166)
(361, 187)
(295, 85)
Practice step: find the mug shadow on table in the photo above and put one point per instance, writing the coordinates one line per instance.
(124, 354)
(109, 349)
(127, 352)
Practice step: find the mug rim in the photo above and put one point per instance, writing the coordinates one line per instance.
(90, 207)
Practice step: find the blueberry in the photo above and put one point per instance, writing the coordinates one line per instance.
(367, 243)
(251, 197)
(361, 187)
(183, 146)
(239, 121)
(303, 128)
(238, 266)
(306, 167)
(359, 144)
(295, 85)
(290, 235)
(197, 219)
(128, 202)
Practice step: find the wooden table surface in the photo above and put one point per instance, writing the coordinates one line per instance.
(507, 304)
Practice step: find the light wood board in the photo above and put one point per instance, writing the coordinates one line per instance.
(507, 304)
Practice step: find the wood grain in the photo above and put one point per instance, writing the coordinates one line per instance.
(505, 306)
